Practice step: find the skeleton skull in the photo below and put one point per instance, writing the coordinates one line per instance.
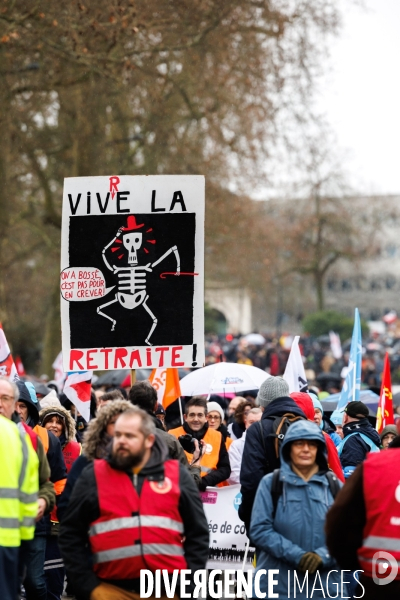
(132, 242)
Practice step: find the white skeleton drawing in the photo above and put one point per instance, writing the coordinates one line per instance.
(132, 289)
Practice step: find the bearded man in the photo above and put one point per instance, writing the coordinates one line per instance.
(135, 510)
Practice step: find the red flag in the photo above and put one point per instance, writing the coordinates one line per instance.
(166, 382)
(20, 366)
(7, 366)
(384, 416)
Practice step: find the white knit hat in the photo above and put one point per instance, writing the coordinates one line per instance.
(215, 406)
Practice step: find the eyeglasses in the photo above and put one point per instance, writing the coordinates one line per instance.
(6, 398)
(302, 443)
(214, 418)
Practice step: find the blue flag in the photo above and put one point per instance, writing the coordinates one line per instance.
(352, 383)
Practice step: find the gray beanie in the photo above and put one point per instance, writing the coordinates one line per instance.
(271, 388)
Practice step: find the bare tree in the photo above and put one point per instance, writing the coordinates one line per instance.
(136, 87)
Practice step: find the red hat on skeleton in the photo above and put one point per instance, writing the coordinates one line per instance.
(131, 224)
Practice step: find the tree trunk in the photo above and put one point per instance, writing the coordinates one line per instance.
(5, 203)
(52, 333)
(319, 286)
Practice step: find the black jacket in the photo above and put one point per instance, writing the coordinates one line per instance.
(83, 509)
(355, 450)
(54, 454)
(255, 462)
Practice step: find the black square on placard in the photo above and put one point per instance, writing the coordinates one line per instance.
(170, 298)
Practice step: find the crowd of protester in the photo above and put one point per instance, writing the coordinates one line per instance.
(271, 354)
(289, 455)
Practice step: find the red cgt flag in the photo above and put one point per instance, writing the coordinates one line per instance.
(7, 366)
(384, 416)
(20, 366)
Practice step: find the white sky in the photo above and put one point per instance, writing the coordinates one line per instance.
(360, 95)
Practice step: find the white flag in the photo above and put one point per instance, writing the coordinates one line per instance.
(294, 373)
(77, 388)
(336, 346)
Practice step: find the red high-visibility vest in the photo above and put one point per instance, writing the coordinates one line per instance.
(381, 480)
(71, 451)
(32, 435)
(136, 532)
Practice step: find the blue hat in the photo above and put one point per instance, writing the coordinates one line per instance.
(317, 403)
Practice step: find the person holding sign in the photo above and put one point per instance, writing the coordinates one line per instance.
(288, 518)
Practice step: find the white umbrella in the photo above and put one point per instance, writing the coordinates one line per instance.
(255, 339)
(222, 377)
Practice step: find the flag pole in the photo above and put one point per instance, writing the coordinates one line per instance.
(245, 554)
(133, 376)
(180, 409)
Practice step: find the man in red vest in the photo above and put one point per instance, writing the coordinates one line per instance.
(137, 509)
(363, 525)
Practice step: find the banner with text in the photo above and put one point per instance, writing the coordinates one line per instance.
(132, 272)
(228, 537)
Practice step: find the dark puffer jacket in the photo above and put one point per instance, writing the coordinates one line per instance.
(355, 449)
(256, 462)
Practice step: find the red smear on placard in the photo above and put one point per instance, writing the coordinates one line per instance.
(163, 275)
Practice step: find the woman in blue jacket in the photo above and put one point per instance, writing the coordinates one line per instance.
(291, 538)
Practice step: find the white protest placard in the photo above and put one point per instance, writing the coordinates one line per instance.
(228, 537)
(132, 272)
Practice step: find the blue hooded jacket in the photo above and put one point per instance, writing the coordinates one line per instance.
(259, 457)
(298, 526)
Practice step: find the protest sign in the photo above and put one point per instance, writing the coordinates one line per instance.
(227, 532)
(132, 272)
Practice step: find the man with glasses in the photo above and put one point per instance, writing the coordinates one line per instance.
(214, 461)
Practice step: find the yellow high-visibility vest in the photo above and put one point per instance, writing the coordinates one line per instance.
(19, 485)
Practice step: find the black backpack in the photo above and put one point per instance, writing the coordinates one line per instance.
(277, 487)
(280, 426)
